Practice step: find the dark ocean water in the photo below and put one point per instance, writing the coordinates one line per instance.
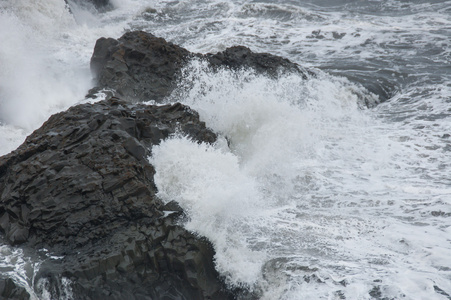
(312, 196)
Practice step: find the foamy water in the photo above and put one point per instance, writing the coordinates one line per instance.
(322, 198)
(305, 195)
(44, 61)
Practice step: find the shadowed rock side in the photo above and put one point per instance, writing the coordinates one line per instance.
(142, 67)
(81, 187)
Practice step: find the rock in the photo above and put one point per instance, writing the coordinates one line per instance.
(82, 188)
(10, 290)
(239, 57)
(138, 66)
(142, 67)
(100, 5)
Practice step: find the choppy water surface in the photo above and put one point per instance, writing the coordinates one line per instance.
(305, 195)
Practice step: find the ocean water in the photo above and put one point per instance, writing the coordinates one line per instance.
(307, 194)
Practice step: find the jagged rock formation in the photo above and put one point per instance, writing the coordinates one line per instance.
(81, 186)
(138, 66)
(142, 67)
(264, 63)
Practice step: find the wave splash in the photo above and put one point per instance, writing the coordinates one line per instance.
(297, 195)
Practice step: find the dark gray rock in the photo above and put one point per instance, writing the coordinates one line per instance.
(138, 66)
(142, 67)
(240, 57)
(99, 5)
(81, 186)
(10, 290)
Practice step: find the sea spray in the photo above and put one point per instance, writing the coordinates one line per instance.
(37, 79)
(219, 199)
(44, 61)
(312, 182)
(274, 124)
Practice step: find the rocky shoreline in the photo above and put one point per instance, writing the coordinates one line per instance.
(82, 188)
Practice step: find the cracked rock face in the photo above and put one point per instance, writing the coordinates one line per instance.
(81, 186)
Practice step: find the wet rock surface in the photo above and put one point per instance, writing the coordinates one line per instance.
(10, 290)
(141, 67)
(99, 5)
(81, 187)
(138, 66)
(239, 57)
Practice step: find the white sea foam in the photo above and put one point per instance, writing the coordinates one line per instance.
(10, 138)
(33, 83)
(61, 292)
(44, 60)
(18, 267)
(321, 186)
(208, 183)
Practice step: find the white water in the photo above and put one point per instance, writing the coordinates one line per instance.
(22, 267)
(312, 189)
(44, 61)
(305, 195)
